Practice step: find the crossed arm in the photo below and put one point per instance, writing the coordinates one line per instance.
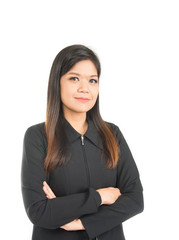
(108, 196)
(71, 226)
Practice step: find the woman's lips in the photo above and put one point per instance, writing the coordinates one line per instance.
(82, 99)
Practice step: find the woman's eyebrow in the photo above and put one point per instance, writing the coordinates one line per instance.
(94, 76)
(77, 74)
(73, 73)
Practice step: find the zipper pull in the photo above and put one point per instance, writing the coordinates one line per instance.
(82, 140)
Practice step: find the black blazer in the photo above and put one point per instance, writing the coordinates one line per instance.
(75, 187)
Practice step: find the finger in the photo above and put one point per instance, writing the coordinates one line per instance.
(119, 192)
(48, 193)
(48, 190)
(64, 226)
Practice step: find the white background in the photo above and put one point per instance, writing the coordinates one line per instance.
(138, 46)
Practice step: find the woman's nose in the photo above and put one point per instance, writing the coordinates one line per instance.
(83, 86)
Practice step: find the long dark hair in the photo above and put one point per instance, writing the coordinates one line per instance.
(58, 151)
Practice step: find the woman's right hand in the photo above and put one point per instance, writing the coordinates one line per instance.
(109, 195)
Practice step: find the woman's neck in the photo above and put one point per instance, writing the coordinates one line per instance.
(78, 122)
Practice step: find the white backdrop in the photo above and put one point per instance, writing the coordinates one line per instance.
(138, 45)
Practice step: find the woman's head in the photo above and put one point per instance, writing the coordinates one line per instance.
(74, 59)
(79, 88)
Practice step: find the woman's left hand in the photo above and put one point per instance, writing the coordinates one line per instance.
(71, 226)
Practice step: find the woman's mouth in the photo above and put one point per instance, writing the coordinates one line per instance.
(83, 99)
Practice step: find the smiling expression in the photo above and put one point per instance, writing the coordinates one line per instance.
(80, 87)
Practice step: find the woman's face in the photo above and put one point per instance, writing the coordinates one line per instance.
(79, 87)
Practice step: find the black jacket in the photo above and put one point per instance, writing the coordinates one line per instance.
(75, 187)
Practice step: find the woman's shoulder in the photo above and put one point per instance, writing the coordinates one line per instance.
(36, 127)
(35, 131)
(115, 128)
(112, 125)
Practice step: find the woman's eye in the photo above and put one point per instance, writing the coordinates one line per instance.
(93, 81)
(74, 78)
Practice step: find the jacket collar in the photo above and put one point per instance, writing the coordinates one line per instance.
(91, 133)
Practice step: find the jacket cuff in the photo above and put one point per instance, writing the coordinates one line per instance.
(97, 197)
(89, 227)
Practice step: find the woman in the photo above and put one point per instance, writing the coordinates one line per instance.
(79, 178)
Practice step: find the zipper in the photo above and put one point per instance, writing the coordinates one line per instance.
(86, 163)
(82, 140)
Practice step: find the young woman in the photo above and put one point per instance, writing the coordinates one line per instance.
(79, 178)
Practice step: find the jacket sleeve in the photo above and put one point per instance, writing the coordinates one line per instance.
(44, 212)
(127, 205)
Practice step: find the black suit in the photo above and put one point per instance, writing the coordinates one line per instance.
(75, 187)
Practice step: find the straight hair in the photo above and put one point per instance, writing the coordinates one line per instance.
(58, 146)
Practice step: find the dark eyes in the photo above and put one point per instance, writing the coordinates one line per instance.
(91, 80)
(74, 78)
